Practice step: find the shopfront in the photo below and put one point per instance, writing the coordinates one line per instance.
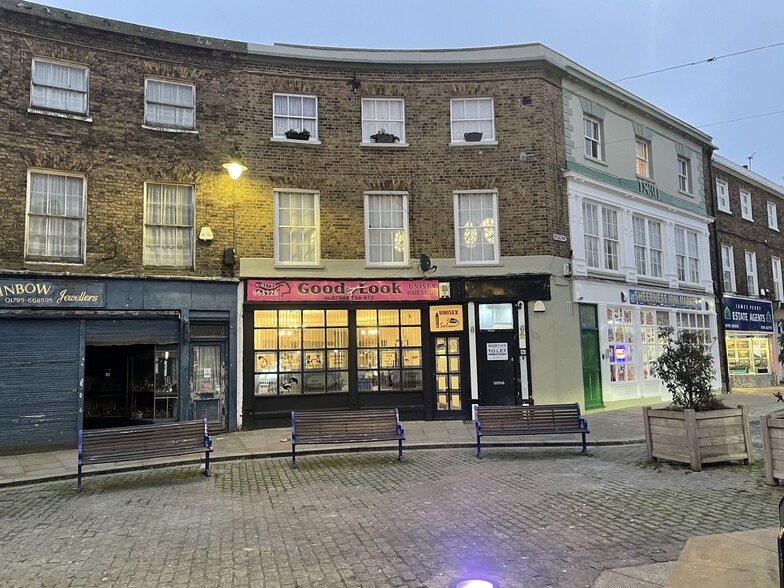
(620, 339)
(78, 353)
(748, 338)
(350, 344)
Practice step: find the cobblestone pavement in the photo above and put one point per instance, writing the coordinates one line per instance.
(520, 517)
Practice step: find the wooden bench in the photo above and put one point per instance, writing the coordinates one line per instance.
(345, 426)
(143, 442)
(544, 419)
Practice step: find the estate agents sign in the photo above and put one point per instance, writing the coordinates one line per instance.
(743, 314)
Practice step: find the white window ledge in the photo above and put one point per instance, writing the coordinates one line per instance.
(388, 265)
(483, 264)
(289, 266)
(689, 194)
(62, 262)
(171, 129)
(384, 145)
(56, 114)
(595, 160)
(473, 143)
(295, 141)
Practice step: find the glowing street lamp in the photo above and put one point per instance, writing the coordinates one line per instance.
(234, 166)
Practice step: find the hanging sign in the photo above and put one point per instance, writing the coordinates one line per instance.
(20, 293)
(742, 314)
(446, 318)
(341, 290)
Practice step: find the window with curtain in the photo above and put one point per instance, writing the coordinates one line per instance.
(55, 217)
(297, 237)
(169, 104)
(684, 180)
(751, 273)
(294, 112)
(778, 293)
(168, 225)
(385, 115)
(593, 138)
(687, 255)
(728, 268)
(648, 248)
(472, 115)
(386, 228)
(643, 159)
(476, 227)
(57, 86)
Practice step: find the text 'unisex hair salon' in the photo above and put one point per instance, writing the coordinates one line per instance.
(748, 337)
(342, 344)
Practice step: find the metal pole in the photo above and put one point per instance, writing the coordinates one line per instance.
(780, 543)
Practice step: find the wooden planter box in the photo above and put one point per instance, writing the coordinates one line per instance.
(773, 447)
(697, 438)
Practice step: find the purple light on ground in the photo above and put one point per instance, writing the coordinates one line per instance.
(475, 584)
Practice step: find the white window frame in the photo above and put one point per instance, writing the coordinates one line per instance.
(453, 121)
(778, 292)
(645, 250)
(403, 246)
(609, 247)
(745, 205)
(82, 219)
(191, 238)
(723, 196)
(642, 158)
(373, 125)
(592, 143)
(752, 283)
(773, 219)
(728, 268)
(486, 232)
(687, 255)
(684, 175)
(170, 105)
(42, 104)
(316, 227)
(279, 132)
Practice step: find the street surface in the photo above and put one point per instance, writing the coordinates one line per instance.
(519, 517)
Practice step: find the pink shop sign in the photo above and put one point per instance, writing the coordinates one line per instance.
(341, 290)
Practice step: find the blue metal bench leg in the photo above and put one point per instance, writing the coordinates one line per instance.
(79, 479)
(293, 454)
(585, 447)
(207, 463)
(400, 450)
(478, 446)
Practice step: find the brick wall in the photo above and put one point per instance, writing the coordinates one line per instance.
(234, 109)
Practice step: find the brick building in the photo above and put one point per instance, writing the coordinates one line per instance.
(748, 248)
(400, 235)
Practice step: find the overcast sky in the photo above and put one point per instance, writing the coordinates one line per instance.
(613, 38)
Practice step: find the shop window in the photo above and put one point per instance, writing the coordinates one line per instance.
(651, 344)
(749, 354)
(300, 351)
(389, 349)
(692, 321)
(620, 336)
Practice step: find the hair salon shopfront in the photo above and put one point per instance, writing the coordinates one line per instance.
(86, 353)
(415, 345)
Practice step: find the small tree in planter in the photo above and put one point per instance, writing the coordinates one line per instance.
(685, 367)
(697, 427)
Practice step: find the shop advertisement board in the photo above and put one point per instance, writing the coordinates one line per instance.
(497, 351)
(446, 318)
(341, 290)
(21, 293)
(666, 299)
(743, 314)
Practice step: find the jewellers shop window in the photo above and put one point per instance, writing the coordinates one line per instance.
(389, 349)
(300, 351)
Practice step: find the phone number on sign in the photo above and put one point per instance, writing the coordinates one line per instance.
(28, 300)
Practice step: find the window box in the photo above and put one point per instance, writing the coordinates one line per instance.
(298, 135)
(383, 137)
(473, 137)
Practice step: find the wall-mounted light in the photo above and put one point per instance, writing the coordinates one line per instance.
(206, 235)
(354, 83)
(539, 306)
(624, 296)
(234, 166)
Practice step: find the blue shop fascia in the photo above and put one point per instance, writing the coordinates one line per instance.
(749, 342)
(98, 352)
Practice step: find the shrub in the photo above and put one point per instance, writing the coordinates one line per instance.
(685, 367)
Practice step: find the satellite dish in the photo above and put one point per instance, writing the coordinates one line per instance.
(424, 263)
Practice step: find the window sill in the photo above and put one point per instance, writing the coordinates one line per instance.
(724, 210)
(53, 262)
(482, 264)
(602, 273)
(65, 115)
(474, 144)
(652, 281)
(170, 129)
(685, 193)
(746, 218)
(287, 266)
(773, 228)
(595, 160)
(383, 145)
(645, 178)
(295, 141)
(388, 265)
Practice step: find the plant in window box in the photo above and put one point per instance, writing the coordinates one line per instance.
(697, 428)
(298, 134)
(473, 137)
(383, 137)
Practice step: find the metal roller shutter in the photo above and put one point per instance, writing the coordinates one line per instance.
(132, 331)
(39, 363)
